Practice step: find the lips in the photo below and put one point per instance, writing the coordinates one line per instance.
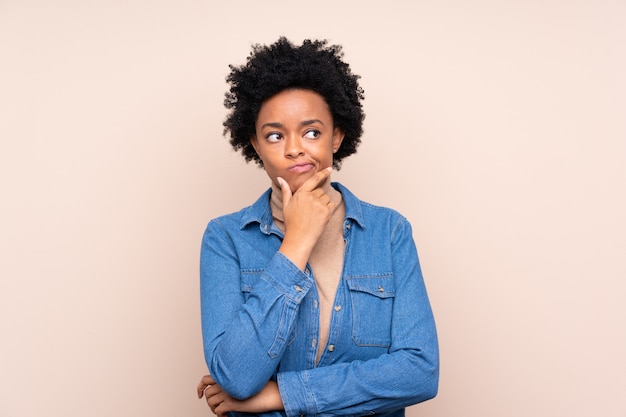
(303, 167)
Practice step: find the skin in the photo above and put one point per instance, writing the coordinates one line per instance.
(295, 127)
(220, 402)
(295, 138)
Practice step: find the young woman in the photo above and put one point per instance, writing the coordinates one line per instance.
(313, 301)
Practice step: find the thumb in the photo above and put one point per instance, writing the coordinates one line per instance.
(285, 189)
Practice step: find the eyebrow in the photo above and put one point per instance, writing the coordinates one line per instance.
(302, 123)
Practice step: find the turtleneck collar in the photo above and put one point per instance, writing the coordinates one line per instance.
(276, 202)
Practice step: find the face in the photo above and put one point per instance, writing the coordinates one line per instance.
(295, 136)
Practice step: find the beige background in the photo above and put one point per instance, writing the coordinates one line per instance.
(496, 127)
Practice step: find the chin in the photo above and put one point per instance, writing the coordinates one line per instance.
(298, 182)
(295, 186)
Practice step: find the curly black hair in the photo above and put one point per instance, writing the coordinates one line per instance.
(270, 69)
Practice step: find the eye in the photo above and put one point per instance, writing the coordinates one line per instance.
(312, 134)
(273, 137)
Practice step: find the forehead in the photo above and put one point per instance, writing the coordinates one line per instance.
(294, 103)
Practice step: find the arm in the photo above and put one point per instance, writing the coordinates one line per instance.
(245, 337)
(408, 374)
(220, 402)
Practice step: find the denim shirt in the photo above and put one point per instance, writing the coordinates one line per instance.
(260, 316)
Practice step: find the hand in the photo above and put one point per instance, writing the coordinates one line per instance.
(220, 402)
(306, 213)
(212, 392)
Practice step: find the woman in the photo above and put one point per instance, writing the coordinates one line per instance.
(313, 301)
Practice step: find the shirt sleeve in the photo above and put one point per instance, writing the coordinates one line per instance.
(245, 337)
(406, 375)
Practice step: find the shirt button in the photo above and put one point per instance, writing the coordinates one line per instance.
(348, 226)
(314, 303)
(298, 288)
(381, 289)
(313, 342)
(331, 348)
(337, 308)
(307, 271)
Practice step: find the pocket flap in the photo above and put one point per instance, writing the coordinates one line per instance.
(381, 287)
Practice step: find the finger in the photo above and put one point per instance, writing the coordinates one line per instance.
(316, 180)
(201, 386)
(204, 382)
(317, 192)
(212, 390)
(209, 391)
(320, 194)
(285, 189)
(222, 408)
(215, 400)
(211, 406)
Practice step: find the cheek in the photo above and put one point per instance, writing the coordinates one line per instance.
(327, 155)
(324, 151)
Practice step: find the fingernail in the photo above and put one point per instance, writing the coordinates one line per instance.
(280, 181)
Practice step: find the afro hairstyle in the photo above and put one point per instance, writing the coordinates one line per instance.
(270, 69)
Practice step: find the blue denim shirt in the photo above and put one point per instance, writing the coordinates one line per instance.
(260, 316)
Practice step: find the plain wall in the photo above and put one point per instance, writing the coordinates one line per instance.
(497, 127)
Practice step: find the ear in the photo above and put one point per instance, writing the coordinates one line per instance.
(338, 136)
(255, 144)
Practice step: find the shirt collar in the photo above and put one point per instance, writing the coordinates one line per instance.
(354, 210)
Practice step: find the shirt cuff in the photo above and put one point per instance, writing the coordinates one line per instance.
(288, 278)
(297, 399)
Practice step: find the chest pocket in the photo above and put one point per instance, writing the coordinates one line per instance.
(372, 308)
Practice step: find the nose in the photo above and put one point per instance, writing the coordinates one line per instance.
(293, 146)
